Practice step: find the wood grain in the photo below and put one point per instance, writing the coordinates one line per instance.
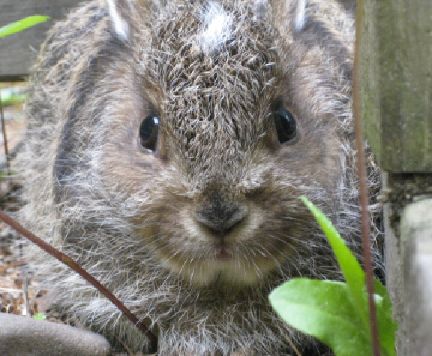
(397, 83)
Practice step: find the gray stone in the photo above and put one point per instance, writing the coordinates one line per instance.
(20, 335)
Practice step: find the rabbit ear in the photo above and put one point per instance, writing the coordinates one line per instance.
(289, 15)
(126, 15)
(300, 15)
(118, 12)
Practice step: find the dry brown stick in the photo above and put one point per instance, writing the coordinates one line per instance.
(83, 273)
(363, 191)
(5, 142)
(293, 346)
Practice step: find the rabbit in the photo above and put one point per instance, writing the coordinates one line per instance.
(168, 144)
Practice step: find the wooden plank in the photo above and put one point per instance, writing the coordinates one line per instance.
(18, 52)
(415, 324)
(397, 83)
(408, 258)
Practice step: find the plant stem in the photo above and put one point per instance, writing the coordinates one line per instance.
(5, 142)
(362, 172)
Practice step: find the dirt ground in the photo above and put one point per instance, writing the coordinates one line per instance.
(18, 293)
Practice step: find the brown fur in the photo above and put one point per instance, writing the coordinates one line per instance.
(129, 216)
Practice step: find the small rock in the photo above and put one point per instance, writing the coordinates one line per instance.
(22, 336)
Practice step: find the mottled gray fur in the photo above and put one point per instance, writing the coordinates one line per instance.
(129, 216)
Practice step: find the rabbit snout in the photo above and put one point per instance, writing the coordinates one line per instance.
(221, 216)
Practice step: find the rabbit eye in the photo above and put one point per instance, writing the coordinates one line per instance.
(285, 125)
(148, 132)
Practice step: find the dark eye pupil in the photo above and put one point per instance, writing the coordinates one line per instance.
(285, 125)
(148, 132)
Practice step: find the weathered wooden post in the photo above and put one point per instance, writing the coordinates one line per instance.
(396, 77)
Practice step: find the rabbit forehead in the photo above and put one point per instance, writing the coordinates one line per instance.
(217, 76)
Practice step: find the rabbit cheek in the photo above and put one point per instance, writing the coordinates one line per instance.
(284, 223)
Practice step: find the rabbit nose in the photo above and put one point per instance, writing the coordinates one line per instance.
(221, 217)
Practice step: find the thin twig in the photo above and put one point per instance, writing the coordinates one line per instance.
(363, 191)
(26, 294)
(83, 273)
(293, 346)
(5, 142)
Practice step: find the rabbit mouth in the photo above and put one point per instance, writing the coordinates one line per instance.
(223, 253)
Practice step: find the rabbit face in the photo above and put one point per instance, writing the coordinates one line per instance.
(206, 146)
(168, 144)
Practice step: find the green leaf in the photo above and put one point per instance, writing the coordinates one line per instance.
(350, 267)
(337, 313)
(12, 99)
(322, 309)
(21, 25)
(39, 316)
(386, 325)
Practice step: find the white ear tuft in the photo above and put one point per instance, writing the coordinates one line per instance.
(217, 27)
(300, 16)
(120, 26)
